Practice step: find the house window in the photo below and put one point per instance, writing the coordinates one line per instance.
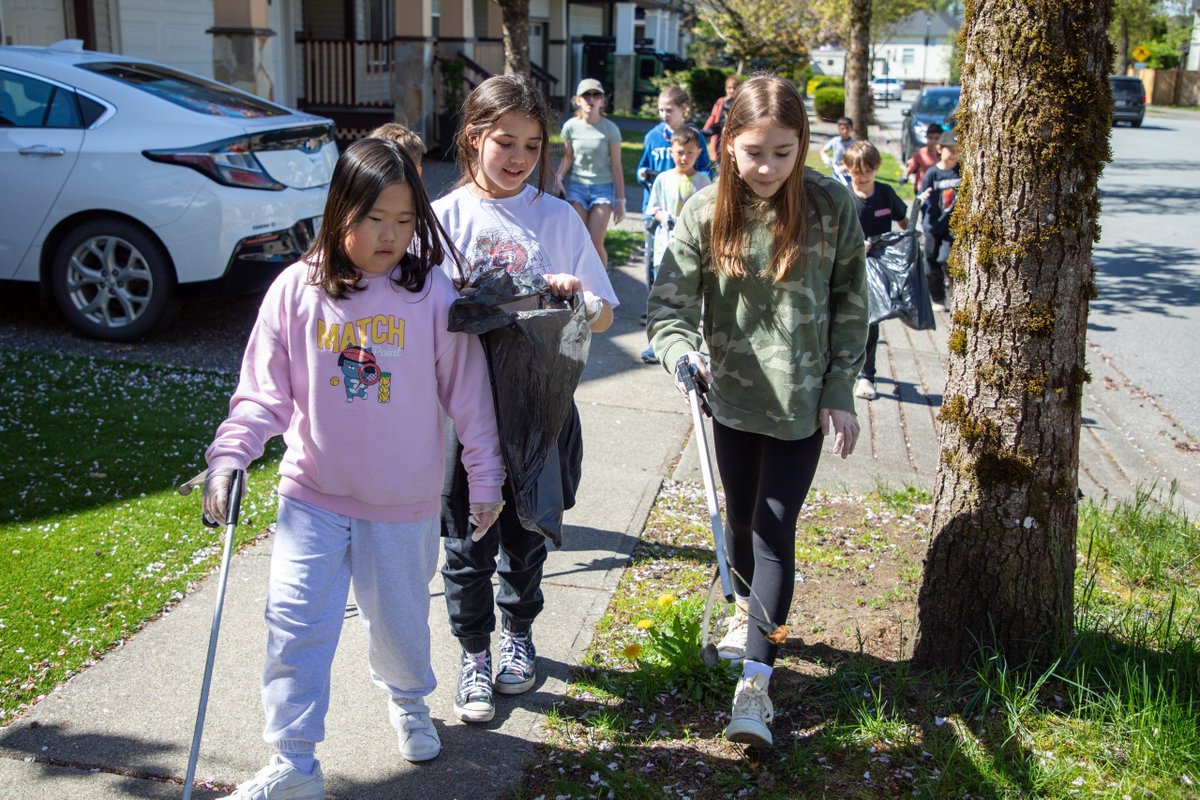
(381, 24)
(908, 56)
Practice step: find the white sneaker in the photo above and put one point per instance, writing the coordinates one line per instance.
(752, 713)
(279, 780)
(419, 740)
(865, 389)
(732, 646)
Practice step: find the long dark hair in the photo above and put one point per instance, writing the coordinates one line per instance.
(487, 103)
(770, 100)
(364, 170)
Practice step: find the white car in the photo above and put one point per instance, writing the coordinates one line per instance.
(125, 181)
(886, 88)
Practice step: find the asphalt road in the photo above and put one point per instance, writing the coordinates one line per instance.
(1147, 315)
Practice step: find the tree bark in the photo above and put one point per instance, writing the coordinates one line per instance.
(515, 17)
(1033, 126)
(857, 73)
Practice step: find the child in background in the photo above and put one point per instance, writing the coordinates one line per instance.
(924, 158)
(499, 220)
(835, 149)
(767, 272)
(407, 139)
(359, 486)
(716, 120)
(670, 192)
(674, 109)
(878, 206)
(939, 190)
(591, 164)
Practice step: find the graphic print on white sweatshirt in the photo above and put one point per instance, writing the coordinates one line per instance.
(508, 249)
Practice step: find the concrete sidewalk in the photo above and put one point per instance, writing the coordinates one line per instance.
(122, 728)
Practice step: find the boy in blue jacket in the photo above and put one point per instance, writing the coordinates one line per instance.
(674, 108)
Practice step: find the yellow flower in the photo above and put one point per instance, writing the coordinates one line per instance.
(632, 651)
(645, 624)
(665, 600)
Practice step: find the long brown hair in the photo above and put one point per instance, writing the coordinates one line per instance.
(762, 100)
(487, 103)
(364, 170)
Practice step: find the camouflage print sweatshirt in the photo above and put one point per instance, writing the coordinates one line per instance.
(779, 352)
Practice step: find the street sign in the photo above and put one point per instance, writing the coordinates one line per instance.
(1140, 53)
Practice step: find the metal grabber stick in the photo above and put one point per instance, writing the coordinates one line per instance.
(236, 488)
(695, 387)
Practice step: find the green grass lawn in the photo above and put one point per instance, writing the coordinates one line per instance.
(96, 541)
(1116, 716)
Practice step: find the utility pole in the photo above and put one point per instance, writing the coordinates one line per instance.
(925, 53)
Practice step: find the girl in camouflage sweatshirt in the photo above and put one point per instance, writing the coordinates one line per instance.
(767, 272)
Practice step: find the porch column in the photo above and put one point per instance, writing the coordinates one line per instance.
(241, 40)
(623, 58)
(412, 67)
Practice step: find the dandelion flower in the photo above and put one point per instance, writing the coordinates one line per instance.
(632, 651)
(645, 624)
(665, 600)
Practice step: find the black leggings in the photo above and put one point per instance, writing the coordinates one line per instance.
(766, 480)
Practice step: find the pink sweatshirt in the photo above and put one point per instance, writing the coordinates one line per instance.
(356, 386)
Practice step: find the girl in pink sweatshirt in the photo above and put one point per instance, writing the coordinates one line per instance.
(351, 362)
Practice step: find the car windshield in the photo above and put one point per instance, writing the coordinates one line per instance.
(188, 91)
(938, 104)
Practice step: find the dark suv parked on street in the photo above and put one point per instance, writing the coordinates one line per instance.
(936, 104)
(1129, 99)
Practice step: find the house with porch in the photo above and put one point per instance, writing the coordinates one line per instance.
(363, 62)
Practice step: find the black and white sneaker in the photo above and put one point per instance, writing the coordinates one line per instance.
(517, 672)
(473, 702)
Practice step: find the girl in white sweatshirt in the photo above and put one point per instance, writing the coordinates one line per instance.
(351, 362)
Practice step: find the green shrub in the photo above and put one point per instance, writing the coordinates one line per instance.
(703, 85)
(829, 103)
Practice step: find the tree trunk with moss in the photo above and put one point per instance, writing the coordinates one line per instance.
(858, 99)
(515, 18)
(1033, 127)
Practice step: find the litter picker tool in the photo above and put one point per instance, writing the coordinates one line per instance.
(236, 487)
(721, 585)
(695, 386)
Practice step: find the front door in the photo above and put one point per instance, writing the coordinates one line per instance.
(32, 22)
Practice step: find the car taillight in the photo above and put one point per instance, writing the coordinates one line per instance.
(230, 162)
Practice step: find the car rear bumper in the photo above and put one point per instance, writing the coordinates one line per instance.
(257, 260)
(1129, 114)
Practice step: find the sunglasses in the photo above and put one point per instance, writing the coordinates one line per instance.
(592, 93)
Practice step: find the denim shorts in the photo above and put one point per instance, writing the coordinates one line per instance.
(588, 194)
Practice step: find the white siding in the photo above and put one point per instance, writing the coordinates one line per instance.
(169, 31)
(587, 20)
(539, 9)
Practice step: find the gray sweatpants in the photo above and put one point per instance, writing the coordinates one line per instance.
(315, 556)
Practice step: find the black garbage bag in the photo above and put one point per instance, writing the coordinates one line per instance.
(896, 285)
(536, 347)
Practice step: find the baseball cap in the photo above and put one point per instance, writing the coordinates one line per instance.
(588, 85)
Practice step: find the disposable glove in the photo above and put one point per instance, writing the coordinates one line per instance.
(483, 516)
(216, 496)
(592, 307)
(701, 372)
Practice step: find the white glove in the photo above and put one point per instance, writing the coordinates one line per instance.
(700, 362)
(641, 175)
(483, 516)
(592, 306)
(217, 483)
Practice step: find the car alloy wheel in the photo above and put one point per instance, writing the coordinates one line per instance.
(111, 280)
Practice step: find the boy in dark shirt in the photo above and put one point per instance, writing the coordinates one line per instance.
(877, 206)
(939, 191)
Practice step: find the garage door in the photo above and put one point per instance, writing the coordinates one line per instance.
(169, 31)
(33, 22)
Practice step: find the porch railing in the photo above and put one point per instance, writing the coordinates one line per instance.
(347, 73)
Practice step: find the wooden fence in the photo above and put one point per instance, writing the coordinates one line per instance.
(347, 73)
